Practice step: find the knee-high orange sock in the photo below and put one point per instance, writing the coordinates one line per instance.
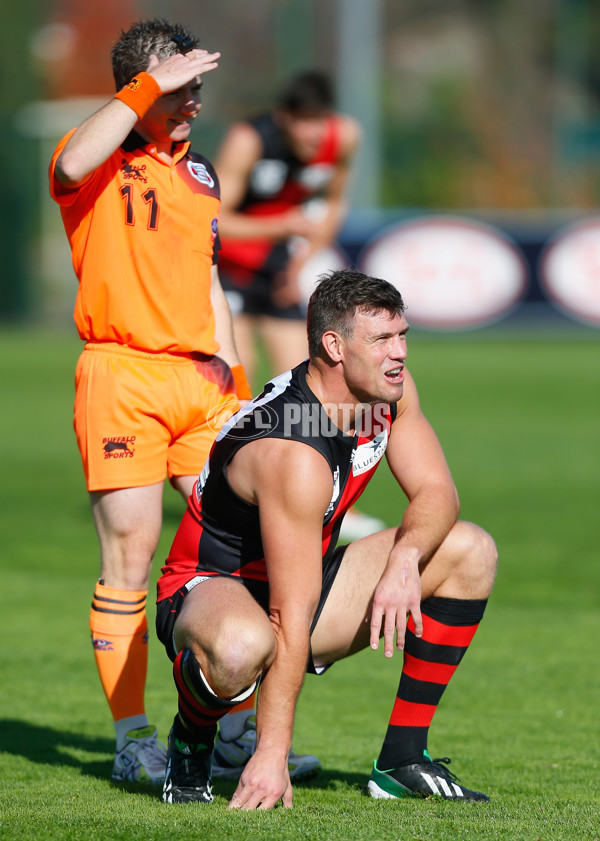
(120, 638)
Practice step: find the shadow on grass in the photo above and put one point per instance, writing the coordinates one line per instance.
(57, 747)
(47, 746)
(329, 779)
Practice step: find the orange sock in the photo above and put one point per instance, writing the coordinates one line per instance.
(120, 638)
(248, 704)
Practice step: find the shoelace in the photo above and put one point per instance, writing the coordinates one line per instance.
(154, 752)
(157, 750)
(440, 766)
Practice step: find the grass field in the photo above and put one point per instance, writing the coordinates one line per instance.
(518, 417)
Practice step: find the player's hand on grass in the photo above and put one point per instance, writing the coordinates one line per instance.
(397, 595)
(177, 70)
(264, 782)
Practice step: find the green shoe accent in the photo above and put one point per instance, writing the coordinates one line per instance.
(142, 732)
(430, 778)
(387, 785)
(189, 748)
(142, 759)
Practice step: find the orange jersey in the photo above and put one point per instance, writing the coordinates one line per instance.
(142, 234)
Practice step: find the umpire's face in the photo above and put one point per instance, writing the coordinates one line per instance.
(170, 118)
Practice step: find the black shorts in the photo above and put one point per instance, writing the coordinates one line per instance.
(168, 609)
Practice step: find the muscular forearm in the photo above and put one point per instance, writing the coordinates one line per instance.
(235, 225)
(94, 142)
(429, 517)
(265, 779)
(279, 691)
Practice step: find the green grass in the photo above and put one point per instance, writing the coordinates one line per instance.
(518, 417)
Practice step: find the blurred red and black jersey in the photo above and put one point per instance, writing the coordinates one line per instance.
(278, 182)
(220, 532)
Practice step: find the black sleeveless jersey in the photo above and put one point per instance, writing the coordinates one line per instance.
(278, 182)
(221, 532)
(279, 176)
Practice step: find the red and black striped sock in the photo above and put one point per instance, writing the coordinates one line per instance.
(199, 709)
(429, 662)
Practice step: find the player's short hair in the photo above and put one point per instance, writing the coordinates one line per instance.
(337, 298)
(309, 92)
(156, 36)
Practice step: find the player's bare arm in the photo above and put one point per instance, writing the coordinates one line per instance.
(292, 486)
(96, 138)
(328, 228)
(418, 463)
(223, 321)
(240, 151)
(323, 233)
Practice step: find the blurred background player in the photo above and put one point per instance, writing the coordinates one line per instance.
(159, 367)
(271, 169)
(283, 181)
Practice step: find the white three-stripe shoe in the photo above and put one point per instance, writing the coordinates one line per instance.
(429, 778)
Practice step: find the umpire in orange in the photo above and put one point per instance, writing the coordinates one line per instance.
(159, 370)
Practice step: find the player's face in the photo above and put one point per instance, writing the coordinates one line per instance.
(304, 134)
(170, 118)
(374, 356)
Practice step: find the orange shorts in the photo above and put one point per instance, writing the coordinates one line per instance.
(142, 416)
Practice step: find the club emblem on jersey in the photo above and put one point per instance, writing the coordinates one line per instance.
(366, 455)
(316, 176)
(200, 173)
(132, 172)
(268, 177)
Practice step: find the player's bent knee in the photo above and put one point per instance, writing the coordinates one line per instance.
(478, 551)
(240, 654)
(205, 687)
